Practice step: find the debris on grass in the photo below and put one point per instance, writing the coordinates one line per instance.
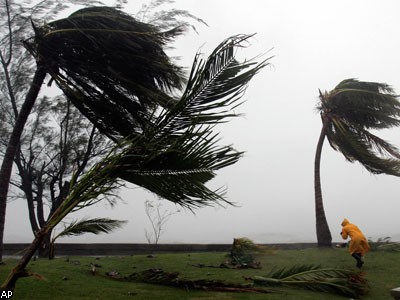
(314, 278)
(158, 276)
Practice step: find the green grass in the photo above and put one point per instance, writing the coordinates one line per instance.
(73, 280)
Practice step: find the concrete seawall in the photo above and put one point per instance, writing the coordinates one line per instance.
(67, 249)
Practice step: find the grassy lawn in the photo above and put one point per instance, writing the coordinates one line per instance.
(71, 278)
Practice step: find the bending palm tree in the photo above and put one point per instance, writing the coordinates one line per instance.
(348, 112)
(112, 67)
(176, 153)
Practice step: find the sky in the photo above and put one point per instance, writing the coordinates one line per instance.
(315, 44)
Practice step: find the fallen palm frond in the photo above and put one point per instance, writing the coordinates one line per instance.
(389, 247)
(327, 280)
(229, 265)
(384, 244)
(158, 276)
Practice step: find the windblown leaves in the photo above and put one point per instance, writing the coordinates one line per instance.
(353, 108)
(178, 153)
(214, 87)
(95, 226)
(114, 70)
(182, 149)
(111, 66)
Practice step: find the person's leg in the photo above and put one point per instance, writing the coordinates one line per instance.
(358, 258)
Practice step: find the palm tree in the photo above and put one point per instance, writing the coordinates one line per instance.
(348, 113)
(112, 67)
(175, 152)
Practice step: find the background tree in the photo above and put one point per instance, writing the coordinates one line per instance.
(349, 112)
(17, 70)
(158, 218)
(56, 142)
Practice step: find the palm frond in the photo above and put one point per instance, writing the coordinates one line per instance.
(95, 226)
(327, 280)
(214, 87)
(352, 108)
(177, 156)
(182, 152)
(177, 168)
(356, 144)
(354, 84)
(370, 105)
(111, 66)
(177, 172)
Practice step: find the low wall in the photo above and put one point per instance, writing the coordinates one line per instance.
(67, 249)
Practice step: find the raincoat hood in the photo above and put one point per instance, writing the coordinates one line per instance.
(345, 222)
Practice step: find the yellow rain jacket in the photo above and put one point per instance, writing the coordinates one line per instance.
(358, 243)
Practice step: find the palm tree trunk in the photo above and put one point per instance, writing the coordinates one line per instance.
(323, 233)
(20, 270)
(6, 167)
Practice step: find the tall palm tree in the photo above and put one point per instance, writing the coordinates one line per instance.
(348, 113)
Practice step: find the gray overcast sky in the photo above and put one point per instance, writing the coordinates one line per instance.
(316, 45)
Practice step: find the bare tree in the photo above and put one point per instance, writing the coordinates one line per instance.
(19, 80)
(158, 218)
(57, 142)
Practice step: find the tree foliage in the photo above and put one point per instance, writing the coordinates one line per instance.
(152, 12)
(94, 226)
(18, 65)
(109, 64)
(354, 108)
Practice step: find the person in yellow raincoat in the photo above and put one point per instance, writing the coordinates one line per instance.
(358, 243)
